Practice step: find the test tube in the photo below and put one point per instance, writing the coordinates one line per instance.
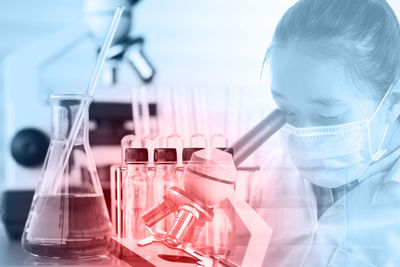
(218, 141)
(117, 172)
(198, 140)
(151, 142)
(175, 141)
(137, 124)
(165, 112)
(144, 104)
(129, 141)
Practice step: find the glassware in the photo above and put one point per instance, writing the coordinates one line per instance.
(129, 141)
(164, 178)
(198, 140)
(175, 141)
(218, 141)
(151, 142)
(116, 174)
(187, 154)
(135, 191)
(68, 216)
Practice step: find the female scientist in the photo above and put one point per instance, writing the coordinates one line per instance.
(332, 194)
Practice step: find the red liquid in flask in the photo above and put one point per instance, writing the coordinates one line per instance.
(68, 226)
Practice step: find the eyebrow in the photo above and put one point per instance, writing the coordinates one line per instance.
(323, 101)
(328, 101)
(276, 94)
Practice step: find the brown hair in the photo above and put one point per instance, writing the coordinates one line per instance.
(365, 34)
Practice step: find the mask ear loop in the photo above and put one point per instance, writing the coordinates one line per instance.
(379, 152)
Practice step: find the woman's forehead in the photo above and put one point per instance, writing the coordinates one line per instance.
(295, 74)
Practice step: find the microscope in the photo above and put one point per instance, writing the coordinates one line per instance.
(98, 16)
(208, 179)
(27, 124)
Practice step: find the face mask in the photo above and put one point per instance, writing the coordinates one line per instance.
(331, 156)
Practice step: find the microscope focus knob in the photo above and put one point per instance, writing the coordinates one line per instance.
(29, 147)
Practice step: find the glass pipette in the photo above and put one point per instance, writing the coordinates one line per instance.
(83, 108)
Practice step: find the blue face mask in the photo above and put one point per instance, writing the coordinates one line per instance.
(331, 156)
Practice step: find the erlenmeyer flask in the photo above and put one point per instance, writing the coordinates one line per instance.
(68, 216)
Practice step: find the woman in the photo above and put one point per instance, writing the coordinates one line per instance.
(332, 195)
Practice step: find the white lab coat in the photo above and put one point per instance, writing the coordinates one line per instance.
(362, 228)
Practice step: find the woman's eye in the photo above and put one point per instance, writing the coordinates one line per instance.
(330, 117)
(288, 113)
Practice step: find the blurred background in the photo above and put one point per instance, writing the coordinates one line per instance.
(193, 67)
(202, 44)
(194, 44)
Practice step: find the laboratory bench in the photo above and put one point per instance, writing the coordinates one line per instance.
(12, 254)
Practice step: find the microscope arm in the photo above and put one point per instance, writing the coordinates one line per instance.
(252, 233)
